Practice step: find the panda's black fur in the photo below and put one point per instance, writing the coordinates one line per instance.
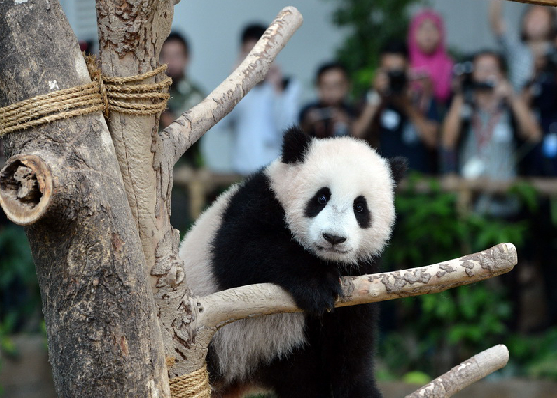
(253, 244)
(266, 252)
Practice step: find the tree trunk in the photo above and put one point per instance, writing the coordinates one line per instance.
(103, 334)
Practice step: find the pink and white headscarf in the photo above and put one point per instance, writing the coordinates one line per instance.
(438, 65)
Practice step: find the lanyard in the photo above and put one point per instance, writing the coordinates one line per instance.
(484, 132)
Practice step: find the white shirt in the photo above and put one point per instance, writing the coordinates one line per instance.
(257, 124)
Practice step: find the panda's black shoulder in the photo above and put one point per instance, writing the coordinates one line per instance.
(255, 199)
(253, 242)
(255, 204)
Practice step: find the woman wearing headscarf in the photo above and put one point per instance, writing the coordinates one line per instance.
(430, 65)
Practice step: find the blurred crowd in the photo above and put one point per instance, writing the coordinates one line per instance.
(489, 114)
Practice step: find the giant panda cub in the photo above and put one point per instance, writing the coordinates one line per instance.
(322, 210)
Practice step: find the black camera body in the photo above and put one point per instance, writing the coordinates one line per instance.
(464, 70)
(398, 81)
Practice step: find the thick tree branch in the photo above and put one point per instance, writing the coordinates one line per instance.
(468, 372)
(552, 3)
(186, 346)
(227, 306)
(131, 35)
(191, 125)
(99, 311)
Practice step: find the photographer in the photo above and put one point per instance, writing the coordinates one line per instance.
(540, 94)
(396, 120)
(330, 115)
(485, 122)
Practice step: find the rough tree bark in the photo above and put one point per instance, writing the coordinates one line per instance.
(98, 207)
(103, 334)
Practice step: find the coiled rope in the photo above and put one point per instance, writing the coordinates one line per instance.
(127, 95)
(191, 385)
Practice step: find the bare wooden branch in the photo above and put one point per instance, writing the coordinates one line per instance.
(224, 307)
(551, 3)
(186, 346)
(191, 125)
(468, 372)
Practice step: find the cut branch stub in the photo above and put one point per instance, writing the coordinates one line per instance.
(25, 188)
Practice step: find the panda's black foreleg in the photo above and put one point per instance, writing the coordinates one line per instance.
(314, 292)
(347, 343)
(297, 376)
(272, 257)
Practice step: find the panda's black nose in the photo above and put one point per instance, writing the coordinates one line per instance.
(334, 239)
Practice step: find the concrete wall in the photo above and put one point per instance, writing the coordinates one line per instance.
(466, 22)
(213, 27)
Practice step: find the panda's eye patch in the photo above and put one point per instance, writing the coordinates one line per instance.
(318, 202)
(361, 211)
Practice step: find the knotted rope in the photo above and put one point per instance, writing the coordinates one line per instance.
(118, 94)
(192, 385)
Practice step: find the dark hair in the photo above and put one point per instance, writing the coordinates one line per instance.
(492, 53)
(253, 31)
(175, 36)
(396, 47)
(552, 21)
(329, 66)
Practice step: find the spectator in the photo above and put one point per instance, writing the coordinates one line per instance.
(259, 119)
(184, 94)
(485, 123)
(394, 119)
(537, 29)
(330, 115)
(430, 64)
(541, 95)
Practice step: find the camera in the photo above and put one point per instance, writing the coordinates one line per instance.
(484, 85)
(398, 81)
(464, 72)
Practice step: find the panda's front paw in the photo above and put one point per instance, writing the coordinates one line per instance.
(319, 296)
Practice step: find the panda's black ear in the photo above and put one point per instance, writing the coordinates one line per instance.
(294, 145)
(399, 166)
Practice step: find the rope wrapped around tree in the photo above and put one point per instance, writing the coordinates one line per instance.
(107, 94)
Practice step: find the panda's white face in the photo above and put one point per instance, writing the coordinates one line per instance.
(338, 201)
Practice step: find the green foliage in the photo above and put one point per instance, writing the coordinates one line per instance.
(416, 377)
(458, 323)
(19, 289)
(15, 257)
(537, 355)
(372, 23)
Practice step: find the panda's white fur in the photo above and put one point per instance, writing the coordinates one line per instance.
(195, 249)
(241, 345)
(350, 168)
